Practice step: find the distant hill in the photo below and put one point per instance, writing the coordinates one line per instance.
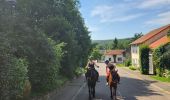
(123, 43)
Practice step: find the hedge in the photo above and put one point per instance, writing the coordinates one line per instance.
(144, 59)
(161, 60)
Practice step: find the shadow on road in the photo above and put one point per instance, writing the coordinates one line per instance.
(129, 89)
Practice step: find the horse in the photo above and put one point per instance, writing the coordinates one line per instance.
(91, 77)
(113, 81)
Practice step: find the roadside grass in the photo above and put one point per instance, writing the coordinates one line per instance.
(120, 65)
(132, 68)
(162, 79)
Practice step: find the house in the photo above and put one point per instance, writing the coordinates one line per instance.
(115, 56)
(153, 39)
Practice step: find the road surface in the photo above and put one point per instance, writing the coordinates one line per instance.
(131, 88)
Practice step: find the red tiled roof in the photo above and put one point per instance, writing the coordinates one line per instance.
(150, 34)
(114, 52)
(161, 41)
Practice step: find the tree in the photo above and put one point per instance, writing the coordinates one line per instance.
(136, 36)
(96, 55)
(115, 43)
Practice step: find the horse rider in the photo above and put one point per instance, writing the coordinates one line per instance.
(91, 65)
(110, 67)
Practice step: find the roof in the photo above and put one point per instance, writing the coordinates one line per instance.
(150, 34)
(161, 41)
(114, 52)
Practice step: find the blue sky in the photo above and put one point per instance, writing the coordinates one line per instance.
(107, 19)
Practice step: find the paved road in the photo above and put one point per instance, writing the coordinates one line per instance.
(131, 88)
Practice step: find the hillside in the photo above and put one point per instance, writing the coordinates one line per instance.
(122, 43)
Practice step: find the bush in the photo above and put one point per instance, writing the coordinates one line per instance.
(158, 61)
(13, 77)
(144, 59)
(166, 73)
(79, 71)
(127, 62)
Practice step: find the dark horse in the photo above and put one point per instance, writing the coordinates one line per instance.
(91, 77)
(113, 81)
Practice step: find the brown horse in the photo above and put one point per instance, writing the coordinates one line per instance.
(91, 76)
(113, 81)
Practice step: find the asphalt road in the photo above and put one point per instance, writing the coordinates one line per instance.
(131, 88)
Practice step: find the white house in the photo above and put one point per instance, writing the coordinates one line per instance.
(153, 39)
(115, 56)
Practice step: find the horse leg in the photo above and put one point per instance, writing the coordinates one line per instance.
(89, 93)
(115, 93)
(111, 93)
(94, 92)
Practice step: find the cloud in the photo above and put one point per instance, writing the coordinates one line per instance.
(103, 12)
(115, 13)
(153, 3)
(93, 29)
(162, 19)
(126, 18)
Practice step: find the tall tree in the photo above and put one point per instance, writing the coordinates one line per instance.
(136, 36)
(115, 43)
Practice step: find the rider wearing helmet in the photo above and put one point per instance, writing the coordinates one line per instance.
(109, 67)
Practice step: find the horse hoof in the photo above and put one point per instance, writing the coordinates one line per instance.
(111, 97)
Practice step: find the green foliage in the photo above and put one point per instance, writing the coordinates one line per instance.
(108, 44)
(157, 57)
(115, 43)
(137, 36)
(127, 62)
(13, 75)
(46, 37)
(144, 59)
(95, 54)
(120, 65)
(162, 79)
(166, 59)
(79, 71)
(132, 68)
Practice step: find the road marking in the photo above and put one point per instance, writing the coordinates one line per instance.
(74, 97)
(153, 85)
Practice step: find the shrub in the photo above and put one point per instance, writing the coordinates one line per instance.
(13, 76)
(166, 73)
(79, 71)
(127, 62)
(144, 59)
(158, 61)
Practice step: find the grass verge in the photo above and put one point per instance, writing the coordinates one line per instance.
(132, 68)
(120, 65)
(162, 79)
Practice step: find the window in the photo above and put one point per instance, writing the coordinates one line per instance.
(119, 59)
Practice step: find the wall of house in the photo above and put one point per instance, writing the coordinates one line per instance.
(119, 58)
(107, 57)
(158, 36)
(135, 55)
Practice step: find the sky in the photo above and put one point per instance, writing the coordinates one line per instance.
(107, 19)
